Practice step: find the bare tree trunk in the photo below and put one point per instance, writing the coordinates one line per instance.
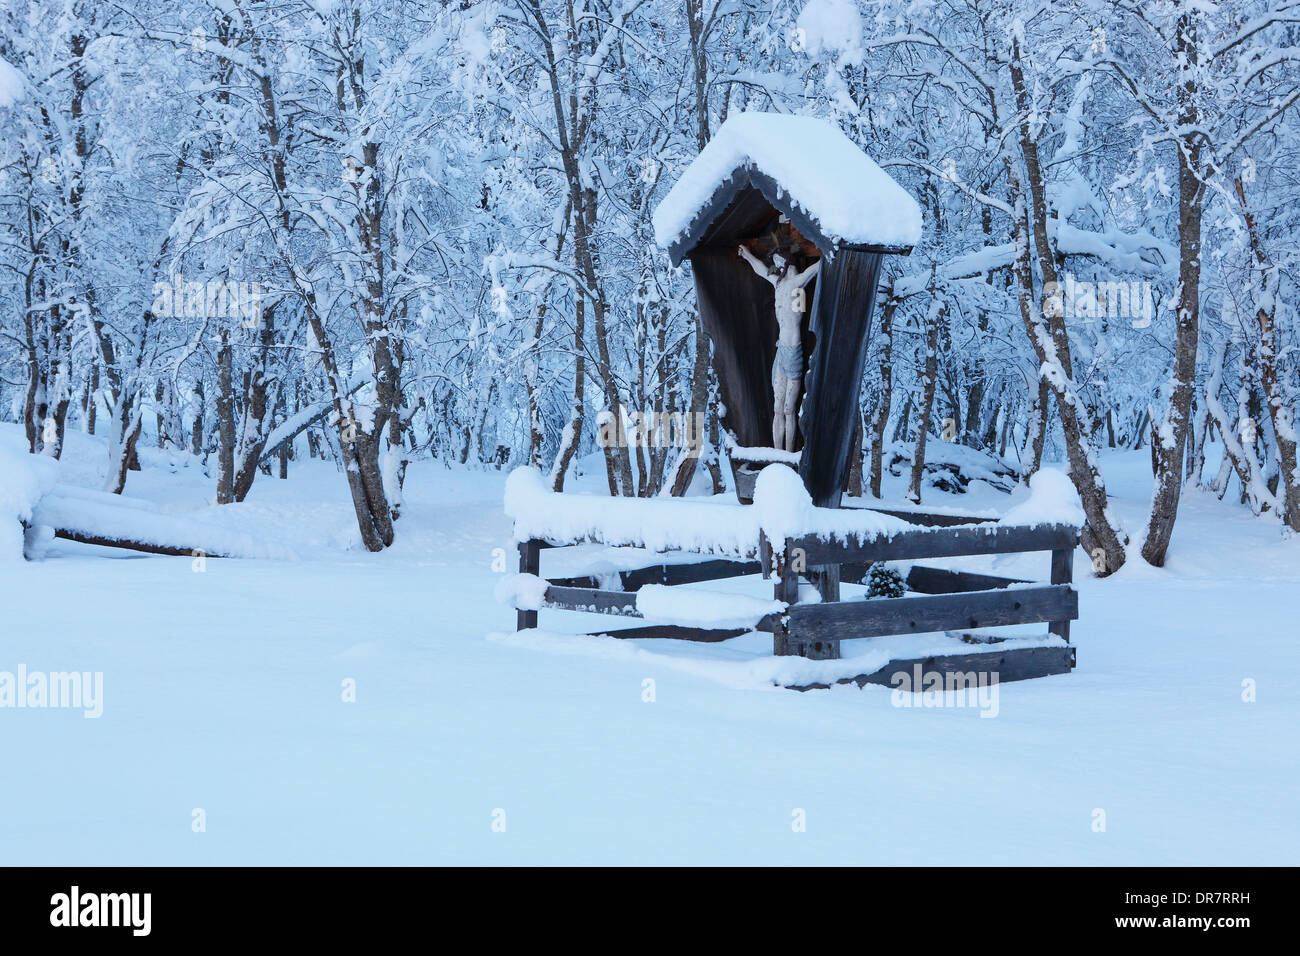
(881, 418)
(979, 375)
(572, 436)
(905, 419)
(1038, 437)
(1196, 446)
(532, 364)
(667, 409)
(92, 398)
(256, 428)
(855, 459)
(1155, 445)
(1140, 429)
(1051, 343)
(159, 415)
(225, 421)
(285, 451)
(699, 403)
(1280, 412)
(1170, 442)
(971, 434)
(118, 479)
(933, 320)
(582, 203)
(128, 409)
(196, 436)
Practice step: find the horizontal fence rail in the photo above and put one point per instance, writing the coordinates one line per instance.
(592, 600)
(878, 617)
(1025, 663)
(934, 543)
(676, 632)
(670, 574)
(927, 580)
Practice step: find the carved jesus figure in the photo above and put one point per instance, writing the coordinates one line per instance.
(787, 370)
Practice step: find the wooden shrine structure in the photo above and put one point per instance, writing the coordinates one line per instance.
(798, 188)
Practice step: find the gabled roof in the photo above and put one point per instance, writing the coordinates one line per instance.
(802, 166)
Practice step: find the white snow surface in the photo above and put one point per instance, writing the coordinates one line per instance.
(826, 175)
(222, 691)
(755, 671)
(695, 607)
(527, 592)
(1052, 500)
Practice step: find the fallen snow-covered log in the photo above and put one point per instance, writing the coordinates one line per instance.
(950, 467)
(35, 507)
(115, 521)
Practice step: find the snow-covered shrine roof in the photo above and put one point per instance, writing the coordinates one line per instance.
(806, 168)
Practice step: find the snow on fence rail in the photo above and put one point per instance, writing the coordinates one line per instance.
(781, 507)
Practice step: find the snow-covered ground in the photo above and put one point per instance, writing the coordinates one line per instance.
(223, 691)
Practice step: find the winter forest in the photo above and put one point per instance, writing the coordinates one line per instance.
(417, 230)
(315, 276)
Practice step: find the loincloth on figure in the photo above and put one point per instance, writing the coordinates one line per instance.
(789, 361)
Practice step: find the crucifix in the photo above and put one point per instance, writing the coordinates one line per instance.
(787, 371)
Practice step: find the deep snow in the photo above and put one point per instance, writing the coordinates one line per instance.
(222, 691)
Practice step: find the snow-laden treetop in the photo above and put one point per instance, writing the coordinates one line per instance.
(11, 85)
(817, 169)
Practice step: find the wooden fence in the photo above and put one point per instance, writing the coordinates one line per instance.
(958, 602)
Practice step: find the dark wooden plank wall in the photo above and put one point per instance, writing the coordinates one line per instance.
(737, 310)
(841, 324)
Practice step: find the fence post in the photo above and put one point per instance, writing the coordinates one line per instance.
(1062, 573)
(786, 590)
(826, 578)
(529, 563)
